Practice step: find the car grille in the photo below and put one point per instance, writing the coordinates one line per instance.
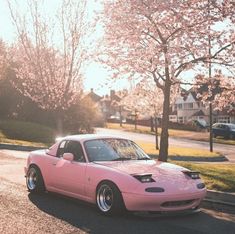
(177, 203)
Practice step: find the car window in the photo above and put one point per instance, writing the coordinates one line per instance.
(75, 148)
(113, 150)
(98, 150)
(61, 149)
(224, 126)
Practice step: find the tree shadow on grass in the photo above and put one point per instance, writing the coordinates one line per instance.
(85, 217)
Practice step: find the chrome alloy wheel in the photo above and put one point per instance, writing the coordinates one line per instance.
(104, 198)
(32, 178)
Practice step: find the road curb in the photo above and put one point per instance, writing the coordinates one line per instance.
(220, 158)
(222, 198)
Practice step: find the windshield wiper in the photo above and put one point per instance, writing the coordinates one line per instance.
(121, 159)
(144, 158)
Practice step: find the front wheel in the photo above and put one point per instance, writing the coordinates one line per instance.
(109, 199)
(34, 180)
(231, 136)
(214, 135)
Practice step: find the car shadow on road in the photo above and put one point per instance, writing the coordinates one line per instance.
(85, 217)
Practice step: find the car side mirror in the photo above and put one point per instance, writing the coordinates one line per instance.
(68, 156)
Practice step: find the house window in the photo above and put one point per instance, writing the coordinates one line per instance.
(188, 105)
(180, 106)
(180, 119)
(173, 118)
(223, 119)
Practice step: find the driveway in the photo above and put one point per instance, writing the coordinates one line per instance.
(226, 150)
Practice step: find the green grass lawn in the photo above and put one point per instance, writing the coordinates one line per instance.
(219, 177)
(25, 133)
(5, 140)
(149, 148)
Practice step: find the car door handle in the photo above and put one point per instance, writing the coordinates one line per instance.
(53, 164)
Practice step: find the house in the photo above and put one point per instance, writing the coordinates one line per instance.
(227, 115)
(110, 104)
(93, 96)
(111, 107)
(189, 107)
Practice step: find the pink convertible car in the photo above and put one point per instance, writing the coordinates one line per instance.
(113, 173)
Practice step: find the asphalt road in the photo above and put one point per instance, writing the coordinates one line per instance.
(22, 212)
(226, 150)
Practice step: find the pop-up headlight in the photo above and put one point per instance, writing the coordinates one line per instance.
(192, 174)
(144, 178)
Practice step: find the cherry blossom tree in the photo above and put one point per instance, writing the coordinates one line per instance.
(3, 59)
(50, 62)
(147, 99)
(220, 90)
(163, 39)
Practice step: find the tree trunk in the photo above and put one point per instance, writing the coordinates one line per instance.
(163, 153)
(59, 123)
(156, 134)
(151, 124)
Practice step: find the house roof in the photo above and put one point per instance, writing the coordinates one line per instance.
(94, 97)
(199, 113)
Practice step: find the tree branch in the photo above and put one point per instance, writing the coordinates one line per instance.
(159, 85)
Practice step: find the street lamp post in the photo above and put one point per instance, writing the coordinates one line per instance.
(135, 119)
(120, 113)
(210, 103)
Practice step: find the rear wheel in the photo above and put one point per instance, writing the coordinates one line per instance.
(109, 199)
(34, 180)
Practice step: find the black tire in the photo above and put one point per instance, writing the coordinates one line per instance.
(227, 137)
(109, 200)
(231, 136)
(34, 180)
(214, 135)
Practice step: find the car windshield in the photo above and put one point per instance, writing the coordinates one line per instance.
(113, 150)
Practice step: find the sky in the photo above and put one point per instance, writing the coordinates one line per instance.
(96, 76)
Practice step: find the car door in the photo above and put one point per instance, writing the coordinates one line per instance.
(224, 130)
(68, 176)
(219, 130)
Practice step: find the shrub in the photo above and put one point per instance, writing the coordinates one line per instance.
(27, 131)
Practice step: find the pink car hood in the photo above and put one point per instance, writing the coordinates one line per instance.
(166, 175)
(145, 166)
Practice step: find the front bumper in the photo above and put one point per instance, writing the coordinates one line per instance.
(163, 202)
